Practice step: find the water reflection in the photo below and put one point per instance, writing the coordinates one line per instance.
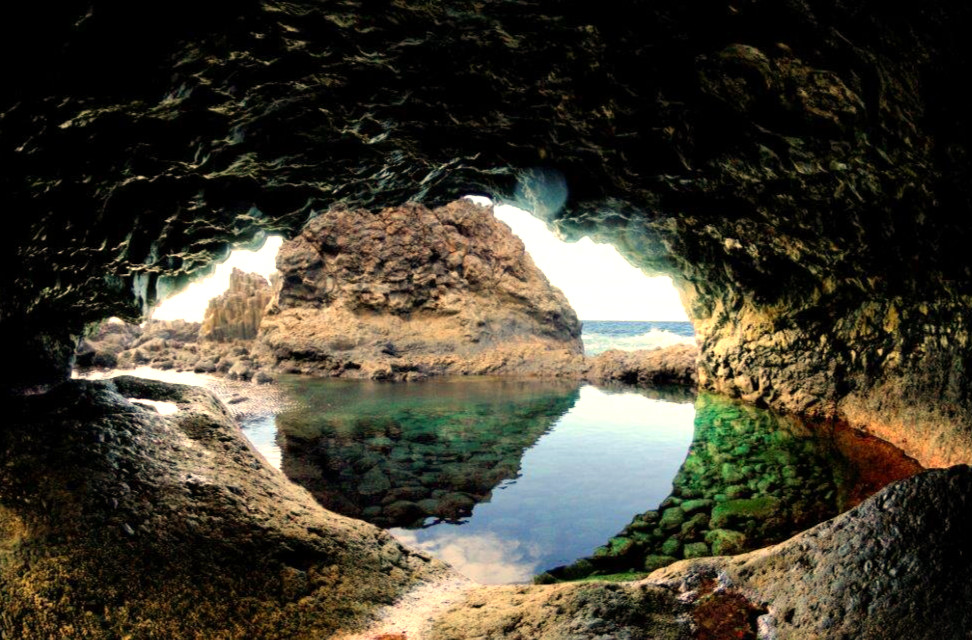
(499, 477)
(484, 557)
(751, 478)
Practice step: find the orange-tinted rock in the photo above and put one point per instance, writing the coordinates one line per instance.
(236, 313)
(410, 292)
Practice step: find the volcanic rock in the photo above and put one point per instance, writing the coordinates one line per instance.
(236, 313)
(676, 364)
(171, 526)
(410, 292)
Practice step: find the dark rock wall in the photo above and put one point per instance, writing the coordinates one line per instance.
(799, 167)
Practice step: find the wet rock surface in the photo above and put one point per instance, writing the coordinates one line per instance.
(119, 522)
(410, 292)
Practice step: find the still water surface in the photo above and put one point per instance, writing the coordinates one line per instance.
(505, 479)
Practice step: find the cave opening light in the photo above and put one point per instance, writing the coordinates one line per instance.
(190, 303)
(600, 284)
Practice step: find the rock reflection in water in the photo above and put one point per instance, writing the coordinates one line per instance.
(397, 454)
(751, 478)
(501, 478)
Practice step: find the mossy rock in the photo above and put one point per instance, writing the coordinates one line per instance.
(726, 541)
(617, 547)
(654, 562)
(694, 526)
(696, 550)
(691, 506)
(672, 518)
(733, 511)
(671, 547)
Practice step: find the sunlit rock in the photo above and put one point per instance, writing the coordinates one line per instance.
(236, 313)
(410, 292)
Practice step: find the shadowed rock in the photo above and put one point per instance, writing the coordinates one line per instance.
(120, 522)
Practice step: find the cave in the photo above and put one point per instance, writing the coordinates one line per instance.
(799, 169)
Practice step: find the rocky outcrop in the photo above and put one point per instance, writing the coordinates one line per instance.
(674, 365)
(409, 292)
(800, 168)
(236, 313)
(123, 522)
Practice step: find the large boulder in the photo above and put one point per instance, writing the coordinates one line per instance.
(409, 292)
(676, 364)
(122, 522)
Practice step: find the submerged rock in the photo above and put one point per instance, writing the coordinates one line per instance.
(410, 292)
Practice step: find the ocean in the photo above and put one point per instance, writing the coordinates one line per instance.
(602, 335)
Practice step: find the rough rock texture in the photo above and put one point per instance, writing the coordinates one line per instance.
(897, 566)
(172, 345)
(409, 292)
(664, 366)
(801, 169)
(119, 522)
(236, 313)
(644, 612)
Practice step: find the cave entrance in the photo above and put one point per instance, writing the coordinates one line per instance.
(190, 303)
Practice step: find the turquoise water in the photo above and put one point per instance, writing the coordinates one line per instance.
(501, 478)
(601, 335)
(506, 479)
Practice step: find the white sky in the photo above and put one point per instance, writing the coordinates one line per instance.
(190, 304)
(598, 282)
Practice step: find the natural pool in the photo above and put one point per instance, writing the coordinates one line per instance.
(506, 479)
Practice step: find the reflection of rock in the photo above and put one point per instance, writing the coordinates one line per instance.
(409, 292)
(236, 313)
(163, 525)
(665, 366)
(751, 479)
(395, 455)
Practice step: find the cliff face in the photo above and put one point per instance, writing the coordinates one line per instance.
(408, 292)
(236, 313)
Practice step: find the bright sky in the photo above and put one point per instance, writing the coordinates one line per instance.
(190, 304)
(598, 282)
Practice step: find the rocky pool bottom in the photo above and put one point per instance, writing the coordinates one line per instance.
(511, 480)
